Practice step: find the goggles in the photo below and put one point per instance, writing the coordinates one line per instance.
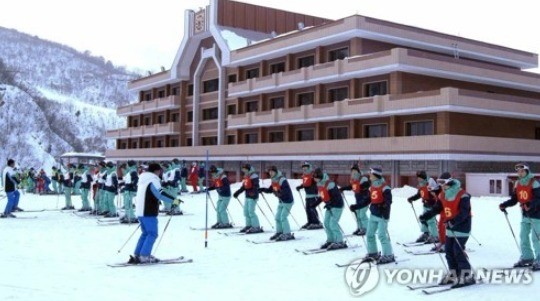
(442, 182)
(519, 167)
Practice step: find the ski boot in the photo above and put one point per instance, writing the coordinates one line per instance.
(254, 230)
(275, 236)
(522, 263)
(386, 259)
(337, 245)
(423, 237)
(285, 236)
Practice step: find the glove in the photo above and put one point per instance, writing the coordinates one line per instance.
(353, 207)
(449, 224)
(525, 207)
(327, 206)
(422, 218)
(410, 200)
(260, 190)
(236, 194)
(211, 188)
(502, 207)
(341, 189)
(177, 202)
(298, 187)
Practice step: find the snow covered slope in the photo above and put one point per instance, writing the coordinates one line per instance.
(59, 256)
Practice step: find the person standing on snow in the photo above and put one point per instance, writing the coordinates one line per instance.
(250, 185)
(312, 197)
(331, 196)
(149, 195)
(183, 176)
(86, 181)
(10, 186)
(527, 194)
(360, 186)
(429, 228)
(281, 189)
(455, 203)
(67, 180)
(131, 178)
(194, 176)
(221, 184)
(202, 176)
(381, 201)
(110, 190)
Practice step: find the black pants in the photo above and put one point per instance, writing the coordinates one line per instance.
(311, 210)
(456, 258)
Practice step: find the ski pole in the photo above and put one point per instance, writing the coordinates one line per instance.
(348, 206)
(129, 238)
(460, 247)
(163, 234)
(302, 198)
(339, 226)
(264, 214)
(477, 241)
(511, 230)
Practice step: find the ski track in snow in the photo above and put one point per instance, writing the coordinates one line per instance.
(60, 256)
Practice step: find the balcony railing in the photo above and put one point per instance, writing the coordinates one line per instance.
(171, 128)
(166, 103)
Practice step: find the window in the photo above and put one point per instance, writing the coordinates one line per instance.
(123, 145)
(190, 90)
(174, 142)
(275, 137)
(495, 186)
(231, 139)
(338, 133)
(376, 131)
(175, 117)
(174, 91)
(232, 78)
(210, 85)
(419, 128)
(210, 114)
(189, 142)
(378, 88)
(147, 120)
(338, 94)
(147, 96)
(209, 140)
(537, 134)
(277, 103)
(277, 68)
(305, 98)
(159, 143)
(252, 106)
(190, 116)
(231, 110)
(161, 119)
(306, 61)
(305, 135)
(161, 94)
(338, 54)
(251, 138)
(252, 73)
(134, 144)
(135, 123)
(146, 144)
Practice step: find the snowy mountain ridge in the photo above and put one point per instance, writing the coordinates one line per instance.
(55, 99)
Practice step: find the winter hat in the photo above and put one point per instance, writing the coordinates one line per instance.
(10, 162)
(355, 167)
(306, 164)
(110, 164)
(421, 174)
(523, 166)
(154, 167)
(213, 169)
(81, 166)
(376, 171)
(165, 164)
(175, 161)
(246, 166)
(272, 168)
(445, 179)
(318, 174)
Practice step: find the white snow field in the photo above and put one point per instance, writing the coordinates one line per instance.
(60, 256)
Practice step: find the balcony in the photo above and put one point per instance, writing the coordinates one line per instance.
(171, 128)
(444, 100)
(160, 104)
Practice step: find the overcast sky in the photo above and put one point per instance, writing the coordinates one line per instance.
(146, 34)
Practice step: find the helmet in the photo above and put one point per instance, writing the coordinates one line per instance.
(318, 174)
(213, 169)
(421, 174)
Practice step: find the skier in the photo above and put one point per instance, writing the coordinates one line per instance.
(149, 193)
(170, 185)
(55, 180)
(527, 194)
(312, 197)
(455, 203)
(360, 186)
(67, 181)
(131, 179)
(10, 187)
(429, 229)
(281, 189)
(331, 196)
(202, 176)
(381, 201)
(250, 185)
(194, 176)
(183, 176)
(110, 190)
(221, 184)
(86, 180)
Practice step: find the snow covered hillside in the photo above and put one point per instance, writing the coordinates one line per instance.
(55, 99)
(60, 256)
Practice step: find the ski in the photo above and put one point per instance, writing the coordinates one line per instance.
(351, 264)
(429, 252)
(258, 242)
(423, 286)
(178, 260)
(319, 251)
(445, 288)
(212, 229)
(21, 217)
(240, 233)
(411, 244)
(28, 211)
